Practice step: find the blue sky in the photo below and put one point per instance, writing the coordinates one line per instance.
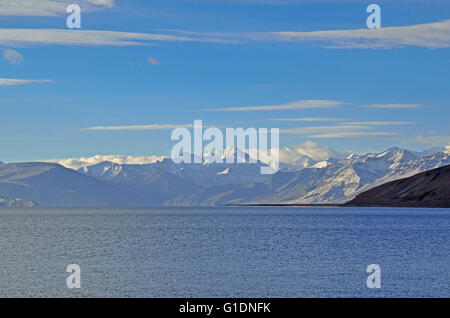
(221, 55)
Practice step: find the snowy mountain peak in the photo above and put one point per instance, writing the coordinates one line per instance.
(107, 169)
(166, 183)
(202, 174)
(447, 149)
(236, 155)
(324, 163)
(320, 164)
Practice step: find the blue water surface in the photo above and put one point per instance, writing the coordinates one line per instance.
(225, 252)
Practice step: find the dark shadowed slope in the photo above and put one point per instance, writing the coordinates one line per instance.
(426, 189)
(50, 184)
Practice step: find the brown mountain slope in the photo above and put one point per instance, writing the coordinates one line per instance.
(427, 189)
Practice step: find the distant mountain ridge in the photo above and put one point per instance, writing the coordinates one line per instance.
(338, 181)
(162, 182)
(427, 189)
(50, 184)
(165, 183)
(201, 174)
(151, 182)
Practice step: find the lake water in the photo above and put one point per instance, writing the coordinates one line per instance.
(225, 252)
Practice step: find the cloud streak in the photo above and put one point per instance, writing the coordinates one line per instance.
(354, 135)
(323, 129)
(48, 8)
(13, 82)
(392, 106)
(429, 35)
(26, 37)
(315, 119)
(300, 104)
(142, 127)
(337, 131)
(380, 123)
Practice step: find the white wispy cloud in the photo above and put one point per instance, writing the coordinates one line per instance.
(24, 37)
(392, 106)
(379, 123)
(354, 135)
(430, 35)
(77, 163)
(153, 61)
(143, 127)
(103, 3)
(323, 129)
(294, 153)
(12, 81)
(315, 119)
(294, 2)
(300, 104)
(12, 56)
(428, 140)
(48, 8)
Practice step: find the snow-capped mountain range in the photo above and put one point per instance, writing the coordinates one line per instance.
(202, 174)
(338, 182)
(209, 184)
(344, 179)
(330, 181)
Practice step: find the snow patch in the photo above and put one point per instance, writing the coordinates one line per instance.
(226, 171)
(320, 165)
